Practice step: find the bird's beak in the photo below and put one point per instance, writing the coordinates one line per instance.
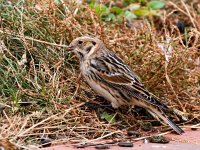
(70, 48)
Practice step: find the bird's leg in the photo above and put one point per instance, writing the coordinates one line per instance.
(93, 106)
(103, 99)
(96, 98)
(108, 106)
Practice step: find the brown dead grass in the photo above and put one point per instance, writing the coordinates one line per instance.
(36, 70)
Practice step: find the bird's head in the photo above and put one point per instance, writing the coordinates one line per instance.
(85, 46)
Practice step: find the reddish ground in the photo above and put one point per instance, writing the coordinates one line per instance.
(190, 140)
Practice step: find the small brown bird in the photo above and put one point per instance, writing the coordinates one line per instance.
(111, 78)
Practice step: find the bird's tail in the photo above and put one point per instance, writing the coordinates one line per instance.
(166, 120)
(174, 126)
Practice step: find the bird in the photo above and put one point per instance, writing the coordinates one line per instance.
(110, 77)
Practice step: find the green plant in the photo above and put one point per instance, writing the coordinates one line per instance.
(133, 10)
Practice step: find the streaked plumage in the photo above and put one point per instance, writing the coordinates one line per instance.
(111, 78)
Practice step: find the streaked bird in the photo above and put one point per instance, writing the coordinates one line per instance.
(111, 78)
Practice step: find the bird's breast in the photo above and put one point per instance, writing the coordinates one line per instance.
(84, 66)
(103, 91)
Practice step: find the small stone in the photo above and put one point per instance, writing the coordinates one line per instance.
(158, 139)
(133, 133)
(125, 144)
(102, 146)
(193, 129)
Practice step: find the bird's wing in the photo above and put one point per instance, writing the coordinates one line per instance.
(118, 75)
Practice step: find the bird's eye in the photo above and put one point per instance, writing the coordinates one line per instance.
(94, 43)
(80, 42)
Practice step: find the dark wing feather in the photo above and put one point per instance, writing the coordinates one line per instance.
(118, 75)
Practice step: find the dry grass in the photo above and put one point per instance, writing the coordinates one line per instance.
(38, 77)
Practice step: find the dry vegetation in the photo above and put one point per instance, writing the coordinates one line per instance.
(38, 76)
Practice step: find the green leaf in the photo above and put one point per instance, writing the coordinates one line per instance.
(108, 117)
(91, 5)
(143, 11)
(101, 9)
(116, 10)
(129, 15)
(156, 4)
(58, 2)
(110, 17)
